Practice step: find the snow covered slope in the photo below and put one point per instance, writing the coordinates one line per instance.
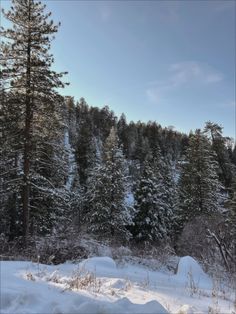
(97, 285)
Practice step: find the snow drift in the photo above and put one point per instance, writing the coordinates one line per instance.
(31, 288)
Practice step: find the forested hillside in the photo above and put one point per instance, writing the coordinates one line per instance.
(68, 169)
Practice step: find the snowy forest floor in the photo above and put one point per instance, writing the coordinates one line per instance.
(101, 285)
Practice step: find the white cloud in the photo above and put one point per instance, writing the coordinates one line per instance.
(182, 74)
(190, 71)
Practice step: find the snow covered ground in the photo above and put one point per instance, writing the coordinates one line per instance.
(99, 285)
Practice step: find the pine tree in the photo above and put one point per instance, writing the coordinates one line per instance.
(26, 63)
(199, 186)
(107, 214)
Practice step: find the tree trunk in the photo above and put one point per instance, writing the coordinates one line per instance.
(27, 146)
(26, 173)
(13, 208)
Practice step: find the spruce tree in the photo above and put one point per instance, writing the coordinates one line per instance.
(154, 202)
(26, 64)
(146, 220)
(107, 214)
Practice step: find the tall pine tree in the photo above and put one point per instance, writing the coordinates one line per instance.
(26, 64)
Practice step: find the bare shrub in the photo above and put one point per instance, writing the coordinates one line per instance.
(83, 280)
(192, 286)
(208, 239)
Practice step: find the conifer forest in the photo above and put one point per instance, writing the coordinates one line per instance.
(69, 169)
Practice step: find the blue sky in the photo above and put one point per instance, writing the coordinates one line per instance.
(169, 61)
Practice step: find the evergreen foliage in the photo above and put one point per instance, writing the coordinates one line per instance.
(26, 63)
(199, 186)
(231, 221)
(66, 166)
(220, 149)
(107, 213)
(154, 202)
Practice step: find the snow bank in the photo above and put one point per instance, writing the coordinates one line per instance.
(188, 264)
(121, 306)
(148, 308)
(29, 288)
(189, 269)
(19, 295)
